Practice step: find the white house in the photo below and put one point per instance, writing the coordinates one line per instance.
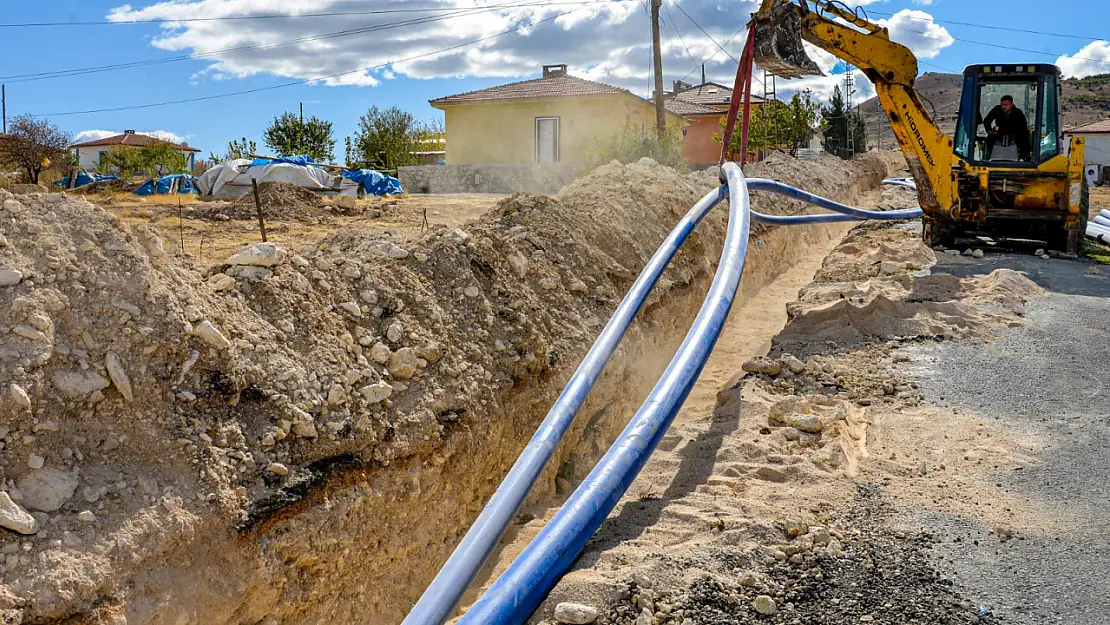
(1096, 148)
(89, 153)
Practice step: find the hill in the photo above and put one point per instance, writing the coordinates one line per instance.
(1084, 100)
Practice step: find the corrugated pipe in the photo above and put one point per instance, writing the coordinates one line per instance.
(439, 600)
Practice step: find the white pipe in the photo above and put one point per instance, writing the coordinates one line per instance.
(1100, 220)
(1104, 213)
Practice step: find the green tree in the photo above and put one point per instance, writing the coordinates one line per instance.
(33, 145)
(235, 149)
(630, 143)
(163, 158)
(386, 138)
(777, 124)
(289, 135)
(123, 161)
(837, 122)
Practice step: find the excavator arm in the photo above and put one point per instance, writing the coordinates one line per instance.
(780, 26)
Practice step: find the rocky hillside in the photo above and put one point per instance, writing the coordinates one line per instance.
(1085, 100)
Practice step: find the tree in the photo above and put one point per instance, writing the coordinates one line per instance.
(837, 121)
(33, 145)
(289, 135)
(235, 149)
(155, 159)
(776, 123)
(386, 139)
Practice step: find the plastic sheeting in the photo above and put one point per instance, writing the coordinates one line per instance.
(84, 178)
(303, 160)
(232, 179)
(374, 182)
(161, 186)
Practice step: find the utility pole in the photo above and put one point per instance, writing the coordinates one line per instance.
(657, 62)
(302, 112)
(849, 130)
(4, 105)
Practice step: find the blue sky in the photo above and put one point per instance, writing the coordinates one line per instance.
(606, 42)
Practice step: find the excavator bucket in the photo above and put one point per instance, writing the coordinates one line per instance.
(778, 42)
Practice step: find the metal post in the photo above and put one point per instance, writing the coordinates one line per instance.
(657, 62)
(4, 105)
(258, 209)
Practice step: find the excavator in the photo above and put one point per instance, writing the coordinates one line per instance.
(976, 183)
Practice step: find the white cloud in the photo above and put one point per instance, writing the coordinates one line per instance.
(93, 135)
(917, 31)
(1093, 58)
(923, 3)
(608, 41)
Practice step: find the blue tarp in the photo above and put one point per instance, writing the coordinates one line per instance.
(374, 182)
(84, 178)
(303, 160)
(161, 186)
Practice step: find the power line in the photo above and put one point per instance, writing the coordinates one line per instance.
(167, 20)
(307, 80)
(1000, 46)
(66, 73)
(991, 27)
(679, 7)
(712, 56)
(679, 32)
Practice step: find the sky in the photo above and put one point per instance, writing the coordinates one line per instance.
(338, 66)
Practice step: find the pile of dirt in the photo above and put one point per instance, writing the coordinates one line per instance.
(280, 201)
(304, 434)
(876, 285)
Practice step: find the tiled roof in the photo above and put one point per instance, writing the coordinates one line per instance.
(681, 107)
(548, 87)
(710, 94)
(131, 139)
(1099, 126)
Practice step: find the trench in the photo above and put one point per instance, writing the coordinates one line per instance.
(365, 541)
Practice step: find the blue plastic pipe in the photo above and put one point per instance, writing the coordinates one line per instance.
(439, 600)
(528, 579)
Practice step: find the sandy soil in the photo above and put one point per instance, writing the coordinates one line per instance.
(213, 241)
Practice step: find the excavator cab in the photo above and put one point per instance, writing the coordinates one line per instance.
(1033, 91)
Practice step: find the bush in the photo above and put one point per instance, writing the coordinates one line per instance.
(630, 144)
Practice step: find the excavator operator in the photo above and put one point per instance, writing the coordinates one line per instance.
(1006, 123)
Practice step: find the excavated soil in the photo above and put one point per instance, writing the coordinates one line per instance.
(302, 435)
(279, 200)
(777, 506)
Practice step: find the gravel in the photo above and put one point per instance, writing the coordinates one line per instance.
(1046, 379)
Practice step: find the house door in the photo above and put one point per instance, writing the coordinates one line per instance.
(547, 139)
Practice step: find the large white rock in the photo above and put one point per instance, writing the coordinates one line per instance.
(208, 333)
(376, 392)
(15, 518)
(78, 384)
(258, 255)
(19, 396)
(10, 277)
(575, 613)
(385, 248)
(116, 372)
(47, 489)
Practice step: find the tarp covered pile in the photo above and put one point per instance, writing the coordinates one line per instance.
(174, 183)
(83, 178)
(232, 178)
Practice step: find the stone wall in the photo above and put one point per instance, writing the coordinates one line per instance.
(530, 178)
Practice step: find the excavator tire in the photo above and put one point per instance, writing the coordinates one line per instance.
(936, 233)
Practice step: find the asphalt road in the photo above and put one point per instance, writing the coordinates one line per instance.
(1050, 378)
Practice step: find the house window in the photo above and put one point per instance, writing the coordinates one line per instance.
(100, 157)
(683, 132)
(547, 139)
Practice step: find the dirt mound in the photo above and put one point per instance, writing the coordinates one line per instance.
(898, 303)
(280, 200)
(304, 422)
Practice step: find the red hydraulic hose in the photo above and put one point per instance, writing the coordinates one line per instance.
(742, 85)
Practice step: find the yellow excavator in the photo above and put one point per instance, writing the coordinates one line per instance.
(983, 181)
